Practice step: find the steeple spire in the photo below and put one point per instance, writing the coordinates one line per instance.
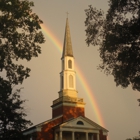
(67, 75)
(68, 104)
(67, 47)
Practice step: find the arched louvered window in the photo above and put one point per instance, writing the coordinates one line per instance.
(69, 64)
(80, 123)
(71, 81)
(62, 82)
(62, 64)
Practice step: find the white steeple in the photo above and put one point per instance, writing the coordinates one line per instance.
(68, 104)
(67, 75)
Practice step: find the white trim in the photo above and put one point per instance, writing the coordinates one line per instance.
(69, 104)
(85, 130)
(36, 129)
(74, 104)
(105, 133)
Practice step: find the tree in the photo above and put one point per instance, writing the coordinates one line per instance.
(118, 37)
(12, 113)
(20, 37)
(134, 138)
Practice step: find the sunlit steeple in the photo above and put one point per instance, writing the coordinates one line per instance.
(67, 75)
(67, 47)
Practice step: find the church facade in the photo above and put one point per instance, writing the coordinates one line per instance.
(68, 110)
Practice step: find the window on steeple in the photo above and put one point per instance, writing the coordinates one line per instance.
(62, 82)
(71, 81)
(62, 64)
(69, 64)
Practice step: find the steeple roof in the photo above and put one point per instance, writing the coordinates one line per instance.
(67, 46)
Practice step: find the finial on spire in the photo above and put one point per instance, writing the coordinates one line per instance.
(67, 14)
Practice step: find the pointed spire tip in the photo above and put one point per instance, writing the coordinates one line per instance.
(67, 47)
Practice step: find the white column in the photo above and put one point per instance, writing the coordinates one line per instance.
(56, 136)
(86, 135)
(72, 135)
(60, 135)
(97, 136)
(92, 138)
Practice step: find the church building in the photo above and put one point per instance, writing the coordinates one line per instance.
(68, 120)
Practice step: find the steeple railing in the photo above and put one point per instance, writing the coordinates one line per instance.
(68, 99)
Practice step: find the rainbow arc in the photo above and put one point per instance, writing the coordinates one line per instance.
(80, 75)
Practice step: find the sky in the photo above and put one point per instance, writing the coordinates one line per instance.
(119, 109)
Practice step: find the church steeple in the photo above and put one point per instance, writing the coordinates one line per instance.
(68, 104)
(67, 47)
(67, 75)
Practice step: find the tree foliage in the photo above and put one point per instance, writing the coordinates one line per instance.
(134, 138)
(20, 37)
(118, 35)
(12, 113)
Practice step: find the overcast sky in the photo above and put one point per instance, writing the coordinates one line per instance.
(119, 107)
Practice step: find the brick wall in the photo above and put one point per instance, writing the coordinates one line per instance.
(68, 112)
(101, 136)
(47, 132)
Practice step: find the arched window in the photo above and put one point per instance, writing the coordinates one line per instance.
(80, 123)
(62, 64)
(62, 82)
(71, 81)
(69, 64)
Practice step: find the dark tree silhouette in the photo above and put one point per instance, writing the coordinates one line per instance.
(118, 37)
(20, 37)
(12, 113)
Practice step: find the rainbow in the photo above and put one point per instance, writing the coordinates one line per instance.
(80, 75)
